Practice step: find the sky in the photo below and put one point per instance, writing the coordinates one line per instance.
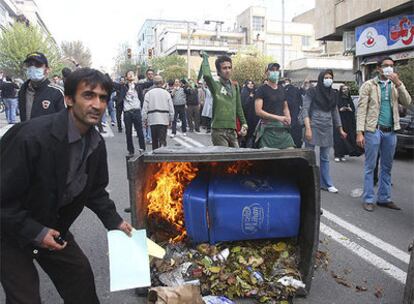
(103, 25)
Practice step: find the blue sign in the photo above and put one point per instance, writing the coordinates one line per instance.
(385, 35)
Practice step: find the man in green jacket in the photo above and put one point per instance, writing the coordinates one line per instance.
(226, 102)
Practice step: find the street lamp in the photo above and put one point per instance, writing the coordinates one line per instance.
(218, 26)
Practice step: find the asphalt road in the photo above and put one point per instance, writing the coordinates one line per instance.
(367, 249)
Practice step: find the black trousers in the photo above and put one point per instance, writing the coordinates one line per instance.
(296, 131)
(69, 269)
(133, 117)
(159, 136)
(179, 111)
(118, 117)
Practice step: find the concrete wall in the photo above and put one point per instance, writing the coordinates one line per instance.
(334, 16)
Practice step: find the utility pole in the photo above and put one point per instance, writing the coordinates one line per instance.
(188, 51)
(283, 39)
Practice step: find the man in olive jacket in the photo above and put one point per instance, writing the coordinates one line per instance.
(227, 106)
(52, 167)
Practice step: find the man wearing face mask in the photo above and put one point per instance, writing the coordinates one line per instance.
(272, 107)
(37, 95)
(377, 120)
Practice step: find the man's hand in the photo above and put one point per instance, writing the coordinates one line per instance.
(342, 133)
(360, 140)
(49, 242)
(395, 79)
(308, 134)
(285, 120)
(126, 227)
(243, 130)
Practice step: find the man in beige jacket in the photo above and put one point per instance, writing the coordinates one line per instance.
(377, 120)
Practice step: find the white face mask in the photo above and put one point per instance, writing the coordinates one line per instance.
(388, 70)
(35, 74)
(327, 82)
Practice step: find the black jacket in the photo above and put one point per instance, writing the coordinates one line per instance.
(122, 90)
(35, 161)
(48, 99)
(294, 99)
(8, 89)
(192, 96)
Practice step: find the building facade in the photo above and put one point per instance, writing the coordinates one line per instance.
(8, 13)
(368, 29)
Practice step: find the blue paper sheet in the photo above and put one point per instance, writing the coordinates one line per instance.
(128, 260)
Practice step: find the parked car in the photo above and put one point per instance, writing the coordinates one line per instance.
(405, 136)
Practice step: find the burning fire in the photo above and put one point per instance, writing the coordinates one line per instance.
(165, 201)
(240, 167)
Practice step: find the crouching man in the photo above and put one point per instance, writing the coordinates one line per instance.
(52, 167)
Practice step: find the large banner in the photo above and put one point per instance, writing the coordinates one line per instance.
(388, 34)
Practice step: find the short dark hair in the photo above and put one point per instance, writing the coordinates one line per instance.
(220, 60)
(170, 82)
(66, 72)
(55, 75)
(273, 65)
(149, 70)
(381, 60)
(90, 77)
(140, 76)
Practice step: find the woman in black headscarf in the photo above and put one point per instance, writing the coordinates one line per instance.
(247, 99)
(346, 109)
(320, 114)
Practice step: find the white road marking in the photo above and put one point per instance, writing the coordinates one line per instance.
(365, 254)
(182, 142)
(388, 248)
(190, 140)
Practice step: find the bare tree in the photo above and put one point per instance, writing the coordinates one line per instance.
(75, 53)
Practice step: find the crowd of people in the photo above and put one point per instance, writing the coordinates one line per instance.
(272, 114)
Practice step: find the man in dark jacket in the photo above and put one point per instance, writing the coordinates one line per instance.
(54, 166)
(193, 106)
(38, 96)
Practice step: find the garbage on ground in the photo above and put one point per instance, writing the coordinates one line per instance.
(217, 300)
(265, 270)
(186, 294)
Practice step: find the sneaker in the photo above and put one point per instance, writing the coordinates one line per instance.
(172, 135)
(104, 124)
(332, 189)
(184, 134)
(337, 159)
(343, 159)
(112, 124)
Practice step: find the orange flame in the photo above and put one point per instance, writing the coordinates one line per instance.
(166, 199)
(241, 166)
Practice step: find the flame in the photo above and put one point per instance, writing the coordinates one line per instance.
(241, 166)
(166, 199)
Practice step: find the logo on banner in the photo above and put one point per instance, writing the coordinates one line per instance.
(369, 40)
(404, 31)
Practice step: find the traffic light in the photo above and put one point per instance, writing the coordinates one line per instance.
(129, 54)
(149, 53)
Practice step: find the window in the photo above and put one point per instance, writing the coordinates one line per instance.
(258, 23)
(305, 41)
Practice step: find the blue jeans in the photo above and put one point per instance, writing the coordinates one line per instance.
(11, 108)
(326, 180)
(111, 110)
(383, 143)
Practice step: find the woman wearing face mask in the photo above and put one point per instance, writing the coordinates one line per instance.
(272, 107)
(320, 114)
(346, 109)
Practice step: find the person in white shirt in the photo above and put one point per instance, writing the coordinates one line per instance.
(158, 112)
